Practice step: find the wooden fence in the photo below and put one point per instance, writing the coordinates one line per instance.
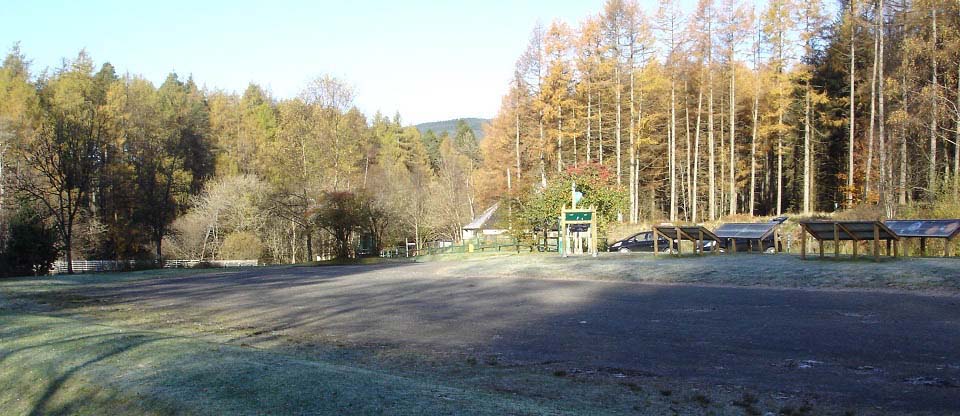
(478, 245)
(95, 266)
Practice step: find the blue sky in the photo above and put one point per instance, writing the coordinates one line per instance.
(428, 60)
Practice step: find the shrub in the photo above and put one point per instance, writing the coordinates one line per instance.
(241, 245)
(31, 245)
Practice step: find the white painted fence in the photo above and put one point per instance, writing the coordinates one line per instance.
(93, 266)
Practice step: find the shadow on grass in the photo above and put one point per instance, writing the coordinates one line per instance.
(638, 332)
(69, 367)
(41, 361)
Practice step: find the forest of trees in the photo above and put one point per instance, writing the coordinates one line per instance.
(109, 166)
(660, 114)
(726, 109)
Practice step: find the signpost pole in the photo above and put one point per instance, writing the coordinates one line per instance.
(562, 234)
(594, 231)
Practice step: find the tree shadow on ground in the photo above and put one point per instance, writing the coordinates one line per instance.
(852, 348)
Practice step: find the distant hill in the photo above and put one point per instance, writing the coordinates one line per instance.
(450, 126)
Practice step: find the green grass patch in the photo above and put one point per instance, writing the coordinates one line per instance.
(65, 366)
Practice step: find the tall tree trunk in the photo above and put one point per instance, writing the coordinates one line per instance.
(673, 151)
(636, 194)
(756, 116)
(721, 159)
(806, 151)
(956, 146)
(852, 117)
(543, 144)
(309, 237)
(633, 151)
(589, 127)
(753, 152)
(882, 121)
(733, 145)
(780, 112)
(517, 110)
(689, 179)
(617, 134)
(696, 157)
(780, 162)
(711, 169)
(293, 242)
(600, 127)
(3, 151)
(576, 155)
(68, 250)
(559, 138)
(932, 174)
(868, 175)
(903, 141)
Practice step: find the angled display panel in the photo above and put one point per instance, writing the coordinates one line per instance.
(752, 231)
(925, 228)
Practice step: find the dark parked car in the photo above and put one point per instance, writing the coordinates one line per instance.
(643, 241)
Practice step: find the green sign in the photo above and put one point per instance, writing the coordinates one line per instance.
(579, 216)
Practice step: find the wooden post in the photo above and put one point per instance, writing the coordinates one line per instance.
(896, 248)
(836, 240)
(700, 241)
(656, 242)
(948, 247)
(889, 248)
(923, 246)
(820, 243)
(732, 243)
(677, 230)
(777, 241)
(803, 242)
(876, 242)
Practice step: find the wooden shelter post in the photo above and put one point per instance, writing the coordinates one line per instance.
(876, 242)
(803, 242)
(656, 242)
(777, 243)
(700, 242)
(836, 240)
(678, 241)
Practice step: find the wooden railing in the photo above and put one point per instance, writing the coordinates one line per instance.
(96, 266)
(475, 246)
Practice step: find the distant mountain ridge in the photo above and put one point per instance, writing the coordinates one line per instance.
(450, 126)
